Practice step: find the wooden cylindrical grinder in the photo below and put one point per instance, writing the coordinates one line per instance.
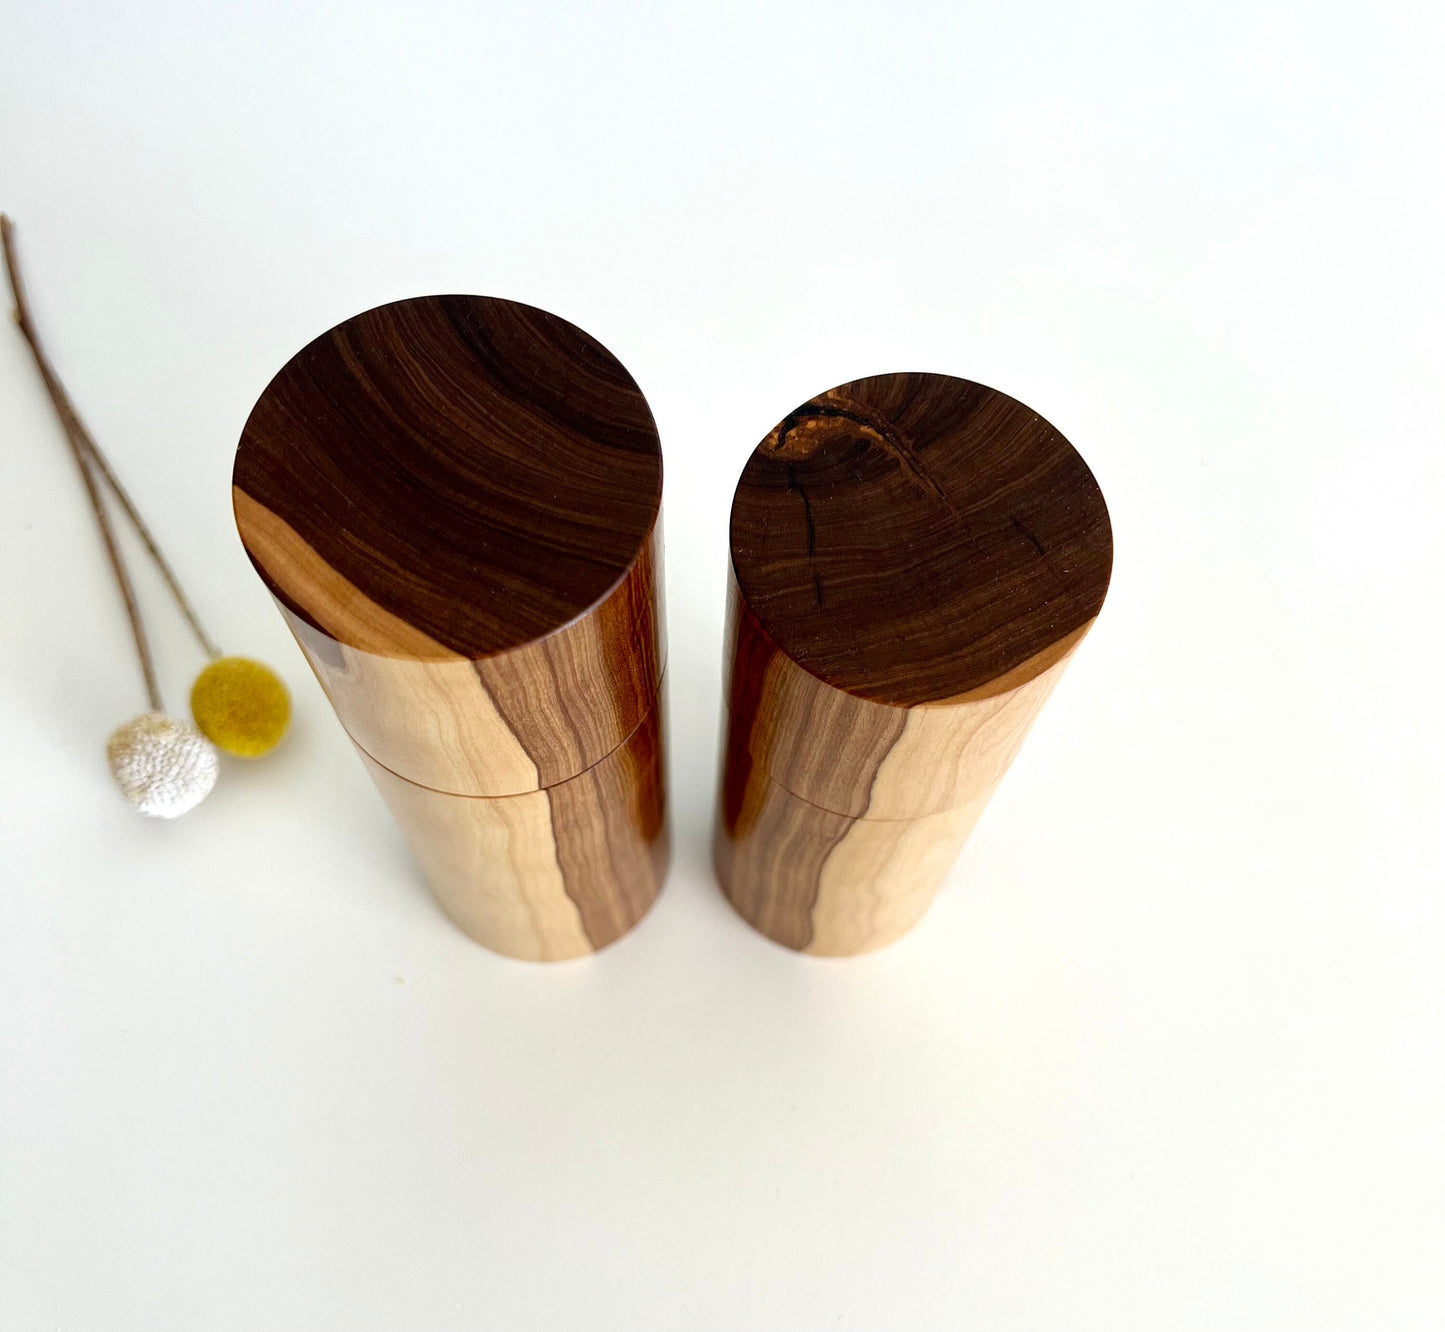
(914, 560)
(455, 502)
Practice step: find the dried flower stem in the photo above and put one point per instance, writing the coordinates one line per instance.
(91, 460)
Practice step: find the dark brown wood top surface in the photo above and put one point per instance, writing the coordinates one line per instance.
(909, 538)
(480, 469)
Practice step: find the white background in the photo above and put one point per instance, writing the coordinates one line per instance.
(1166, 1054)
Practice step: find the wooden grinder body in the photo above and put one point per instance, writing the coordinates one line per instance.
(456, 504)
(915, 559)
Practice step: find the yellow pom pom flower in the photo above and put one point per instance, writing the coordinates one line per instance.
(241, 706)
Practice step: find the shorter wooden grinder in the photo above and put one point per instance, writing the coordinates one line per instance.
(914, 558)
(455, 502)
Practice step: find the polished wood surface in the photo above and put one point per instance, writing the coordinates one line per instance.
(482, 470)
(515, 721)
(455, 501)
(857, 757)
(825, 883)
(952, 530)
(915, 559)
(545, 875)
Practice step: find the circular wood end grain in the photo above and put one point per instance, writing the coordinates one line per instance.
(911, 538)
(447, 475)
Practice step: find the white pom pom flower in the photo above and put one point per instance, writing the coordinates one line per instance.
(164, 767)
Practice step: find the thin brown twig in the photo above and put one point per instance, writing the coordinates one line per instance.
(116, 489)
(74, 434)
(72, 422)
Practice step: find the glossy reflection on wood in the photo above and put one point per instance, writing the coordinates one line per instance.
(499, 725)
(915, 559)
(455, 500)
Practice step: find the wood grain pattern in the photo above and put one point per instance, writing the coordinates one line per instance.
(483, 470)
(915, 560)
(825, 883)
(954, 530)
(515, 721)
(455, 501)
(545, 875)
(865, 759)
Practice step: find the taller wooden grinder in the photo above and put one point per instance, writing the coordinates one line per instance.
(455, 502)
